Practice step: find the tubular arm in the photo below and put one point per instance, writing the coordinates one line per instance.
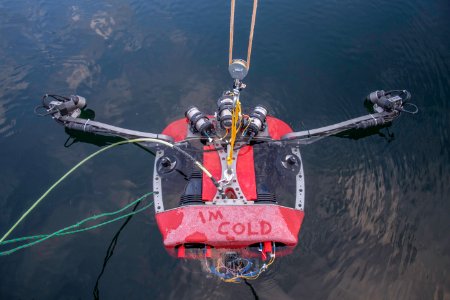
(363, 122)
(105, 129)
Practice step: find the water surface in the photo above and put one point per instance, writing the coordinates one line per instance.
(377, 207)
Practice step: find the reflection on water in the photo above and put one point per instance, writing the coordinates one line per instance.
(102, 24)
(376, 222)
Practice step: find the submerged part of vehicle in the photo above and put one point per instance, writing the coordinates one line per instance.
(230, 191)
(228, 184)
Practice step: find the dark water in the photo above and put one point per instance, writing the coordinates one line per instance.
(377, 208)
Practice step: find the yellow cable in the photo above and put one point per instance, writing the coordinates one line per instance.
(226, 133)
(235, 278)
(234, 130)
(249, 120)
(137, 140)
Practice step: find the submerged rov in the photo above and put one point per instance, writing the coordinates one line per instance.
(229, 185)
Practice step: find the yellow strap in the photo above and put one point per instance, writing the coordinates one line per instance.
(235, 121)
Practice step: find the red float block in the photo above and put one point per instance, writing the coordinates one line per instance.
(233, 226)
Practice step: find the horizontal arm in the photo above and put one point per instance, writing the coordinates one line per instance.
(362, 122)
(105, 129)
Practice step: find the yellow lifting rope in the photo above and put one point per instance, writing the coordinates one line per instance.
(235, 126)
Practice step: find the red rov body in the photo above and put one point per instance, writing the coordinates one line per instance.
(264, 203)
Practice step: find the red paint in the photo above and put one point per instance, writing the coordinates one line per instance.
(238, 228)
(215, 215)
(263, 228)
(167, 225)
(202, 218)
(263, 255)
(277, 128)
(245, 172)
(229, 226)
(230, 193)
(267, 247)
(177, 129)
(245, 169)
(266, 227)
(200, 253)
(211, 161)
(250, 232)
(208, 252)
(181, 252)
(220, 230)
(244, 166)
(196, 237)
(293, 219)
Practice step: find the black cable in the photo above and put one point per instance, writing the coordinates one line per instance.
(67, 144)
(145, 149)
(214, 180)
(110, 252)
(252, 289)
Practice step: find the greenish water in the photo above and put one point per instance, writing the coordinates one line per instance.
(377, 207)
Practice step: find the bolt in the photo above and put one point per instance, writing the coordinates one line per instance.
(165, 162)
(291, 159)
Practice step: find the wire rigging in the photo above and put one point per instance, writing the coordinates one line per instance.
(33, 206)
(235, 126)
(110, 252)
(72, 229)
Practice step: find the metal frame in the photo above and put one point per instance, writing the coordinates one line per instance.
(234, 184)
(300, 183)
(157, 186)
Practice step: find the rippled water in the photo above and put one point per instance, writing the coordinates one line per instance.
(377, 207)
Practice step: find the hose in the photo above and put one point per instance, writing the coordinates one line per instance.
(198, 164)
(72, 228)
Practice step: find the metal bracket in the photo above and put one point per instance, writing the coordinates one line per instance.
(157, 189)
(233, 183)
(300, 183)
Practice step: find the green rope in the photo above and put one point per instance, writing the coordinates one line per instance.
(68, 230)
(71, 171)
(94, 217)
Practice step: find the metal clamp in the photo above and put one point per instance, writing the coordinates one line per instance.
(229, 181)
